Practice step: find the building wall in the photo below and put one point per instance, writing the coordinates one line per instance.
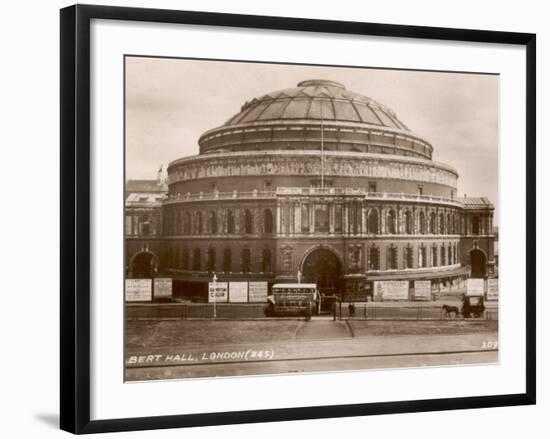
(248, 184)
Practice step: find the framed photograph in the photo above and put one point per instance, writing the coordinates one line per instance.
(275, 218)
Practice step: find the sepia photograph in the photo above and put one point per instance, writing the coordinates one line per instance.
(295, 218)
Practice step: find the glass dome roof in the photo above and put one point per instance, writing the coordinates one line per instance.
(317, 99)
(316, 111)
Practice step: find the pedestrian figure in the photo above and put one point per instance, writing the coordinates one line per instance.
(351, 309)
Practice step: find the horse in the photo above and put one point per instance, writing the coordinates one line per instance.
(450, 309)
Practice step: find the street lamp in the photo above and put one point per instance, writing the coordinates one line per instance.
(214, 280)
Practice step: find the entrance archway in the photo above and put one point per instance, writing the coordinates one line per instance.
(323, 268)
(478, 263)
(143, 264)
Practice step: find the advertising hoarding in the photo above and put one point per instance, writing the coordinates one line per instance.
(391, 290)
(257, 291)
(217, 291)
(238, 292)
(162, 287)
(138, 290)
(475, 287)
(422, 290)
(492, 289)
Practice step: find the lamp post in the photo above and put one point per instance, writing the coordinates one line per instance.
(214, 280)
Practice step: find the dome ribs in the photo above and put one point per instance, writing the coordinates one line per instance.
(291, 119)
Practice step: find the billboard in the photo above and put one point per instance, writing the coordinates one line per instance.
(257, 291)
(162, 287)
(138, 290)
(217, 292)
(238, 292)
(391, 290)
(475, 287)
(492, 289)
(422, 289)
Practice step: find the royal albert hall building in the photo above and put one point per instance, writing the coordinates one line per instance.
(317, 182)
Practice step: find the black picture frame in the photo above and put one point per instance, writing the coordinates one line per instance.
(75, 217)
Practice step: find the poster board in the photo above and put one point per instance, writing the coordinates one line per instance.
(138, 290)
(422, 290)
(257, 292)
(475, 287)
(217, 292)
(391, 290)
(162, 287)
(238, 292)
(492, 289)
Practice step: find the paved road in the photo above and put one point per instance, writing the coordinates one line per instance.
(307, 354)
(310, 365)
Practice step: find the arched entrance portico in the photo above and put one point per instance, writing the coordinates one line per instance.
(143, 264)
(478, 263)
(322, 267)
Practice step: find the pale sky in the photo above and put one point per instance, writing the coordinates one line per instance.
(171, 102)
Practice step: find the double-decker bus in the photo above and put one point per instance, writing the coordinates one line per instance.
(295, 299)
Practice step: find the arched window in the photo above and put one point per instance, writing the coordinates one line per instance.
(212, 223)
(322, 217)
(422, 222)
(247, 222)
(408, 223)
(422, 261)
(391, 257)
(432, 223)
(170, 257)
(408, 257)
(227, 260)
(268, 221)
(354, 219)
(186, 223)
(373, 221)
(374, 258)
(442, 258)
(144, 225)
(450, 255)
(450, 224)
(434, 256)
(184, 259)
(475, 225)
(245, 260)
(266, 260)
(390, 222)
(211, 262)
(441, 224)
(197, 259)
(338, 213)
(230, 221)
(198, 223)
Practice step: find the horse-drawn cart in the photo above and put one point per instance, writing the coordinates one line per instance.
(472, 306)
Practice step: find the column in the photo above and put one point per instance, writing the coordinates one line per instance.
(279, 230)
(345, 222)
(331, 217)
(311, 216)
(297, 218)
(363, 219)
